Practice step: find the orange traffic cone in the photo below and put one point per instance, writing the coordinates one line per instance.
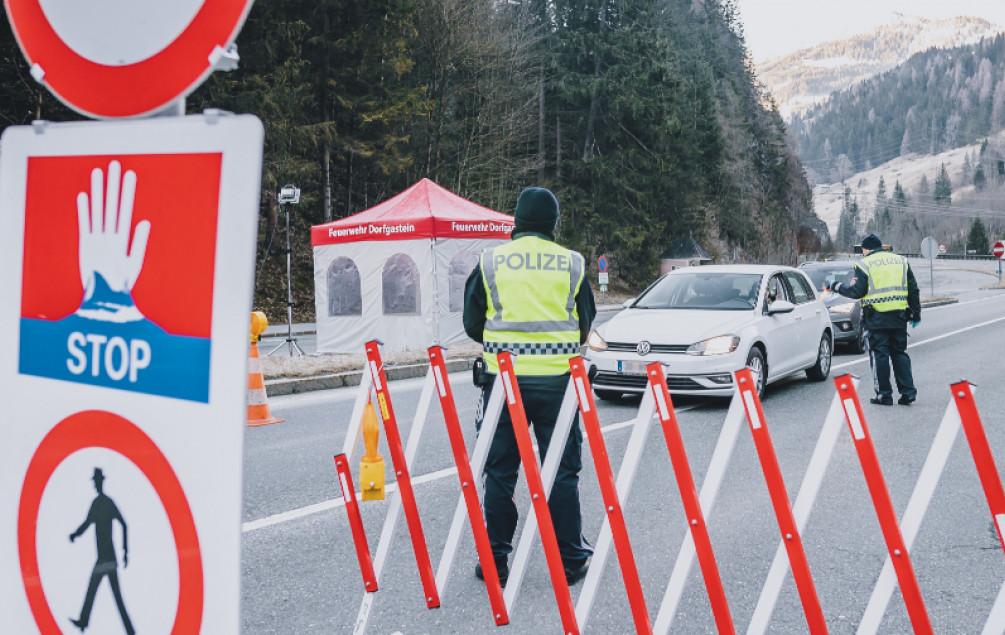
(258, 400)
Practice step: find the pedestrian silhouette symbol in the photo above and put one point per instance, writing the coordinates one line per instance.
(101, 514)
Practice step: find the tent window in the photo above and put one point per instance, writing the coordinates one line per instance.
(344, 297)
(400, 285)
(461, 266)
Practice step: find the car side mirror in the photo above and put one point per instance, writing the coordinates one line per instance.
(779, 307)
(627, 303)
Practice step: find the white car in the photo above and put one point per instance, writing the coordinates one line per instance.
(704, 323)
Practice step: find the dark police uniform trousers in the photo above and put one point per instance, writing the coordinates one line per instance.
(888, 346)
(542, 399)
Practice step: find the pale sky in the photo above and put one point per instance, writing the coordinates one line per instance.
(777, 27)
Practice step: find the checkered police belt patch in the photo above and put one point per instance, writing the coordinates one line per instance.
(880, 300)
(549, 348)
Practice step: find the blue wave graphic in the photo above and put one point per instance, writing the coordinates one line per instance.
(137, 356)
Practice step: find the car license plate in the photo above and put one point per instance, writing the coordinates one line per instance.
(631, 368)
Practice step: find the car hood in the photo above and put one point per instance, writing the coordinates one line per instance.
(672, 326)
(836, 298)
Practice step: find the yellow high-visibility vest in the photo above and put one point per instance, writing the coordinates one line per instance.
(887, 273)
(531, 285)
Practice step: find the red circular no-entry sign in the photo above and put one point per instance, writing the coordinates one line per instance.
(999, 250)
(99, 429)
(123, 58)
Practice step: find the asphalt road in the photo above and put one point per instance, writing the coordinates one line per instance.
(299, 567)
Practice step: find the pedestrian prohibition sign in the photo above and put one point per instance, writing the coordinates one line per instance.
(106, 430)
(125, 58)
(126, 263)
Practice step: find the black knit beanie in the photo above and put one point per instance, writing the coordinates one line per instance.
(872, 243)
(536, 211)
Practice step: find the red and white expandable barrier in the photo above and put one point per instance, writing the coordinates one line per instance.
(469, 488)
(539, 500)
(747, 387)
(880, 495)
(991, 482)
(962, 412)
(615, 519)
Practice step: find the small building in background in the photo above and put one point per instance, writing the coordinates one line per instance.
(683, 252)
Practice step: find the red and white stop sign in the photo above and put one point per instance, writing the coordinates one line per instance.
(124, 58)
(999, 250)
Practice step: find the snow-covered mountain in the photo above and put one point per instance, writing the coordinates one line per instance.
(807, 77)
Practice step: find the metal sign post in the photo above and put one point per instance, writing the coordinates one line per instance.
(930, 249)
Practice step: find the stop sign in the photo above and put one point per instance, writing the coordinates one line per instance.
(999, 250)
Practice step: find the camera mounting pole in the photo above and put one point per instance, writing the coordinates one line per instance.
(289, 195)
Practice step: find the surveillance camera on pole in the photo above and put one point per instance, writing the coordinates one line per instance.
(288, 195)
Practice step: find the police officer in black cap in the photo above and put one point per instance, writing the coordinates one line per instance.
(531, 297)
(890, 300)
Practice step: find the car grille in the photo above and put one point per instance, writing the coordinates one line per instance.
(675, 349)
(638, 382)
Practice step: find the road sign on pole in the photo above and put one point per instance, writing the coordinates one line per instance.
(602, 264)
(930, 249)
(126, 58)
(126, 400)
(999, 252)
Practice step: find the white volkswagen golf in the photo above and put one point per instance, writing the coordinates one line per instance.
(704, 323)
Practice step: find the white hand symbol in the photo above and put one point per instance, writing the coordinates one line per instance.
(104, 223)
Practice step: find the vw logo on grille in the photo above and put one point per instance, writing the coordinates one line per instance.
(643, 348)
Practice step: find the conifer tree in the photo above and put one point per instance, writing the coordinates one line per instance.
(943, 192)
(980, 180)
(977, 238)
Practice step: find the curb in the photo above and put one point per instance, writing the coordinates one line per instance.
(296, 385)
(939, 302)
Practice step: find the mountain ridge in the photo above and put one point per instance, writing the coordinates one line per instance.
(807, 77)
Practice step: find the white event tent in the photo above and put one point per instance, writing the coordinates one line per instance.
(396, 272)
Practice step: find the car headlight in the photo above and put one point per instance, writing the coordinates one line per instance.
(722, 345)
(842, 309)
(595, 342)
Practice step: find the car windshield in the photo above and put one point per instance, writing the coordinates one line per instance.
(703, 291)
(826, 277)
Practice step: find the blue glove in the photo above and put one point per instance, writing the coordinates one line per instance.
(915, 323)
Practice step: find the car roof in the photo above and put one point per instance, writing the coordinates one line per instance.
(829, 264)
(755, 269)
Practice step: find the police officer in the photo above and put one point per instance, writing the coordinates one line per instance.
(889, 293)
(530, 297)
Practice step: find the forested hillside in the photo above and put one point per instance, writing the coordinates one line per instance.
(937, 100)
(643, 115)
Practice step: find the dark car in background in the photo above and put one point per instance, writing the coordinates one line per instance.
(846, 314)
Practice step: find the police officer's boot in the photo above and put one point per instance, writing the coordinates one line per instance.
(502, 566)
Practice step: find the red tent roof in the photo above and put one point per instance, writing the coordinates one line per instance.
(424, 210)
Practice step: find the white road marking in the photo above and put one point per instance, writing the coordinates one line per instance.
(965, 329)
(335, 503)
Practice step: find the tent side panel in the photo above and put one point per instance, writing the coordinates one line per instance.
(394, 302)
(455, 258)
